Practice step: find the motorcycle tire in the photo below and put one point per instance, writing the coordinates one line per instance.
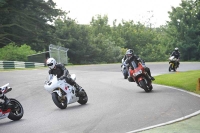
(174, 68)
(125, 76)
(62, 104)
(83, 99)
(144, 86)
(170, 68)
(150, 87)
(18, 111)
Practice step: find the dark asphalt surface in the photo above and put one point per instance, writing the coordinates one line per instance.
(114, 106)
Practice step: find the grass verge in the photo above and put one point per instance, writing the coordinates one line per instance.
(183, 80)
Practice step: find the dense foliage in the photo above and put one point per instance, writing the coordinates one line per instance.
(38, 23)
(11, 52)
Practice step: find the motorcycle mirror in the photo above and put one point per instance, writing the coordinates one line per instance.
(9, 89)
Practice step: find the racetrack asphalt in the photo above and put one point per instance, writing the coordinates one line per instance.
(177, 116)
(187, 124)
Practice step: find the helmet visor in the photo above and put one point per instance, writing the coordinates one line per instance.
(129, 55)
(50, 64)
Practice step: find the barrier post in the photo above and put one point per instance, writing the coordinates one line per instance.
(198, 85)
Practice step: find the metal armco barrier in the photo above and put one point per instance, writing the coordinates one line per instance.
(19, 64)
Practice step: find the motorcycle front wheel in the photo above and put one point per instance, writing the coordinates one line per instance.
(17, 110)
(174, 68)
(170, 67)
(59, 102)
(144, 86)
(125, 75)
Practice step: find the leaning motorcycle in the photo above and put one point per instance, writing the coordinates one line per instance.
(172, 63)
(13, 110)
(140, 76)
(63, 93)
(124, 69)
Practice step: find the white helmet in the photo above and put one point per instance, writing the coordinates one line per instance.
(176, 48)
(51, 62)
(129, 53)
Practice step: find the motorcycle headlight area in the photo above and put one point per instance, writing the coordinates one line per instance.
(48, 82)
(137, 73)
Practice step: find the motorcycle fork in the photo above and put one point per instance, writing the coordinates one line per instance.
(60, 94)
(172, 65)
(63, 94)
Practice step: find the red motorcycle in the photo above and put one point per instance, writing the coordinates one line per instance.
(140, 76)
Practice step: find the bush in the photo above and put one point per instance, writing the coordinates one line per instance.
(12, 52)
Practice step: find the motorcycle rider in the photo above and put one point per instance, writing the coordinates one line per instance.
(62, 73)
(124, 63)
(176, 55)
(131, 57)
(126, 55)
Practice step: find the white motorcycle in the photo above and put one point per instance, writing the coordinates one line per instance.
(64, 93)
(13, 110)
(124, 69)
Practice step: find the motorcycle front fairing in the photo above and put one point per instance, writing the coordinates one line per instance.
(124, 69)
(139, 72)
(53, 85)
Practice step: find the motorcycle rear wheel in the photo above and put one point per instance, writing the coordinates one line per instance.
(18, 111)
(60, 103)
(83, 99)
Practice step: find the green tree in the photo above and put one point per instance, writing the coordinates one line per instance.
(27, 21)
(185, 29)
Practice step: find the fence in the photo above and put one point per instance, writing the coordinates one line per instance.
(59, 53)
(18, 64)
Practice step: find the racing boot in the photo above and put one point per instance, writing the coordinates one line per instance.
(152, 78)
(79, 91)
(130, 79)
(149, 74)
